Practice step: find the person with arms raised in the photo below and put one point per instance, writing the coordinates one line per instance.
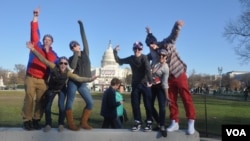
(80, 63)
(36, 76)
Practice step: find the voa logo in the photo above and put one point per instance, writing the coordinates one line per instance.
(236, 132)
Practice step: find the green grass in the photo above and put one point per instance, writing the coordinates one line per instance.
(219, 111)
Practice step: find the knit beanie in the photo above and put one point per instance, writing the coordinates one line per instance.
(150, 39)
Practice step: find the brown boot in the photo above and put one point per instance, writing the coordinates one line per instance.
(84, 120)
(70, 121)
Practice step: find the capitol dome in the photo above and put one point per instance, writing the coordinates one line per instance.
(108, 59)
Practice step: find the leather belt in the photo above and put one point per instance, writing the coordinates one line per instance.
(32, 76)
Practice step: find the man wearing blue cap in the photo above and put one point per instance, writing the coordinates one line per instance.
(141, 83)
(178, 82)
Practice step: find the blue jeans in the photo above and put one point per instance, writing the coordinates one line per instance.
(158, 92)
(137, 90)
(83, 91)
(50, 95)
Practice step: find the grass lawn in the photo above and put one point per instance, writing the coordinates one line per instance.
(208, 123)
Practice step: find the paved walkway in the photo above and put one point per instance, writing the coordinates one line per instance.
(12, 134)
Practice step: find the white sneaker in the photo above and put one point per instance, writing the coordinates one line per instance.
(47, 128)
(173, 126)
(60, 128)
(190, 129)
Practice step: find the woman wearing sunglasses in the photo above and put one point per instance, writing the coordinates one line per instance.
(59, 74)
(160, 74)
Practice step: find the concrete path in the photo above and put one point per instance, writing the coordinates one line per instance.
(18, 134)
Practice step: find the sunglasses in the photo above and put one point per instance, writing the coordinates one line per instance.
(65, 63)
(162, 55)
(73, 45)
(136, 48)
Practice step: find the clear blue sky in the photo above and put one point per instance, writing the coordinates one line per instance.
(200, 44)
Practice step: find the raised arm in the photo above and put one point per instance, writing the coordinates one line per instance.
(174, 33)
(30, 45)
(74, 60)
(34, 33)
(119, 60)
(84, 39)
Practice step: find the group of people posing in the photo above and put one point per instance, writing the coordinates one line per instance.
(160, 75)
(48, 75)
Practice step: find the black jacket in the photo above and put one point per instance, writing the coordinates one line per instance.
(109, 104)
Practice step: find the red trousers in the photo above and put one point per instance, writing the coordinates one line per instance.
(180, 86)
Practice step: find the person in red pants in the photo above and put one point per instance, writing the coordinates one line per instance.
(178, 82)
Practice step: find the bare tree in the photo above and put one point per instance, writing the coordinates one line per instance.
(20, 71)
(239, 31)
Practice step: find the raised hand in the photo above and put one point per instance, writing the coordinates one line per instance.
(93, 78)
(180, 23)
(30, 45)
(117, 48)
(148, 30)
(149, 85)
(36, 11)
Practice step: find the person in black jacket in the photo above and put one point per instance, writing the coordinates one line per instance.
(81, 65)
(141, 83)
(109, 106)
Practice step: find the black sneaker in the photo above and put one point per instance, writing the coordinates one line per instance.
(163, 131)
(36, 124)
(137, 126)
(27, 125)
(148, 126)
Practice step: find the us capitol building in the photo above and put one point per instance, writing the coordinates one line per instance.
(108, 70)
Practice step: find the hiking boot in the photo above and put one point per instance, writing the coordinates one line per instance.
(36, 124)
(47, 128)
(163, 131)
(148, 126)
(60, 128)
(27, 125)
(137, 126)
